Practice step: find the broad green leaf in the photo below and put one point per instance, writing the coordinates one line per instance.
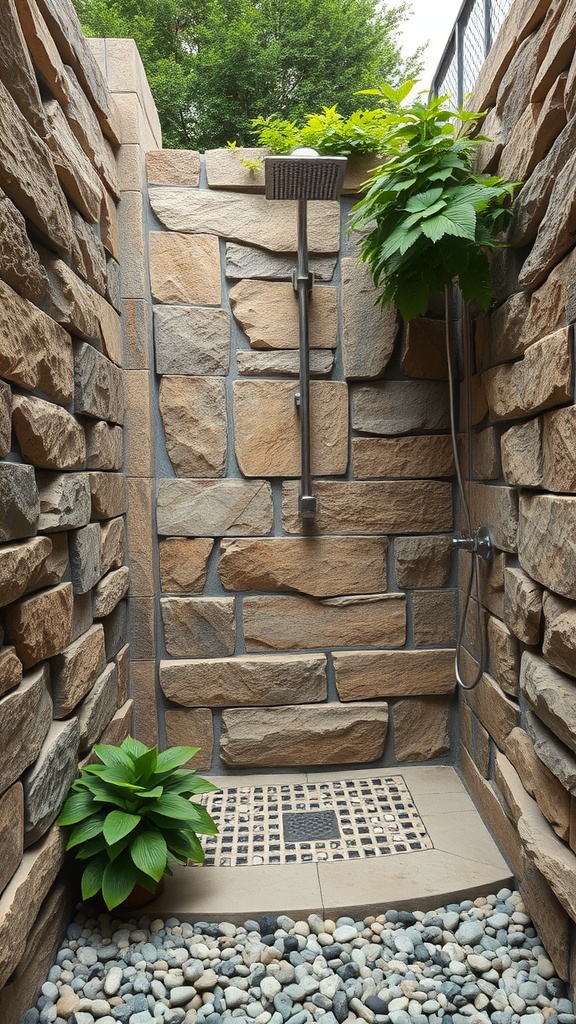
(118, 881)
(118, 824)
(92, 876)
(77, 807)
(112, 756)
(133, 747)
(186, 846)
(202, 822)
(150, 853)
(172, 809)
(174, 758)
(145, 765)
(423, 200)
(91, 848)
(105, 794)
(87, 829)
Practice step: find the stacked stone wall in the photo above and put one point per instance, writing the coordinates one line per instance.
(518, 727)
(287, 645)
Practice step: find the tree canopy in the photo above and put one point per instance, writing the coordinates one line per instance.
(213, 65)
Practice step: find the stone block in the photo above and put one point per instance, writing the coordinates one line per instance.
(503, 656)
(558, 440)
(85, 557)
(214, 508)
(47, 782)
(550, 795)
(547, 541)
(496, 507)
(23, 897)
(559, 53)
(225, 168)
(21, 566)
(379, 506)
(109, 217)
(138, 385)
(5, 414)
(49, 437)
(551, 695)
(422, 561)
(501, 335)
(368, 330)
(19, 264)
(10, 670)
(112, 544)
(556, 232)
(108, 493)
(550, 919)
(98, 387)
(363, 675)
(173, 167)
(12, 823)
(299, 623)
(551, 303)
(141, 627)
(199, 627)
(113, 284)
(64, 501)
(69, 300)
(43, 50)
(268, 680)
(110, 329)
(421, 728)
(317, 566)
(92, 260)
(244, 262)
(35, 352)
(81, 614)
(192, 729)
(104, 445)
(97, 708)
(551, 856)
(486, 455)
(491, 582)
(400, 407)
(144, 715)
(424, 350)
(541, 379)
(522, 454)
(267, 312)
(39, 626)
(25, 716)
(498, 714)
(267, 428)
(413, 458)
(183, 564)
(56, 563)
(28, 177)
(523, 605)
(119, 726)
(184, 268)
(141, 555)
(79, 181)
(193, 411)
(330, 734)
(115, 630)
(474, 739)
(557, 758)
(535, 197)
(76, 669)
(123, 666)
(246, 218)
(192, 339)
(283, 364)
(559, 645)
(434, 617)
(110, 590)
(136, 318)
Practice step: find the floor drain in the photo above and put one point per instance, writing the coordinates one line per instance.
(302, 828)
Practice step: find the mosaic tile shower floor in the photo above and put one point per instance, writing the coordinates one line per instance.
(337, 820)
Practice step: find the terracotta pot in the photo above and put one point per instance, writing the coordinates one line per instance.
(140, 896)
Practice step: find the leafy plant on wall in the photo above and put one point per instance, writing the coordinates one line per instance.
(427, 216)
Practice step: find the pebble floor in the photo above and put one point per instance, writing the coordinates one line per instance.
(467, 963)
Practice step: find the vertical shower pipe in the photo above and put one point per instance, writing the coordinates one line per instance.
(303, 282)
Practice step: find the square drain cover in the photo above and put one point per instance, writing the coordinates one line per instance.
(303, 828)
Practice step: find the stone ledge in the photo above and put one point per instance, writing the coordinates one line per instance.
(379, 506)
(300, 623)
(363, 675)
(237, 682)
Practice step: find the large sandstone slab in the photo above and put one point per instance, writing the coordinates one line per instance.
(421, 728)
(25, 716)
(559, 53)
(225, 168)
(199, 627)
(551, 695)
(12, 823)
(267, 311)
(184, 564)
(87, 127)
(96, 710)
(382, 506)
(19, 502)
(558, 445)
(534, 198)
(547, 541)
(112, 543)
(522, 605)
(267, 428)
(69, 300)
(104, 445)
(550, 855)
(501, 334)
(98, 385)
(35, 352)
(85, 567)
(496, 507)
(108, 494)
(76, 174)
(300, 623)
(21, 567)
(214, 508)
(56, 563)
(434, 617)
(270, 679)
(191, 339)
(75, 670)
(184, 268)
(550, 795)
(556, 232)
(248, 219)
(317, 566)
(559, 644)
(10, 670)
(368, 331)
(16, 69)
(48, 436)
(89, 257)
(282, 363)
(193, 411)
(400, 407)
(173, 167)
(363, 675)
(28, 177)
(39, 626)
(498, 714)
(413, 458)
(245, 262)
(522, 460)
(550, 919)
(43, 49)
(109, 329)
(503, 656)
(422, 561)
(110, 590)
(552, 753)
(19, 263)
(47, 782)
(64, 501)
(331, 734)
(541, 379)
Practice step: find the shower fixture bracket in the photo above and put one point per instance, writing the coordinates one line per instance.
(480, 543)
(307, 506)
(307, 279)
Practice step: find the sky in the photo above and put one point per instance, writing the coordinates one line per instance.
(431, 20)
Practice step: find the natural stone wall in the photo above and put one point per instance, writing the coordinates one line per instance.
(518, 727)
(63, 579)
(277, 635)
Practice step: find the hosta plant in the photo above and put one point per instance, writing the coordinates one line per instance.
(131, 816)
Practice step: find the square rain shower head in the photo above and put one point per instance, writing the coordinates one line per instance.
(304, 177)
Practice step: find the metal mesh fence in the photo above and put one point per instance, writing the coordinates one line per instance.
(472, 37)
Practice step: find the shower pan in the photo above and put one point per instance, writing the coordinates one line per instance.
(304, 176)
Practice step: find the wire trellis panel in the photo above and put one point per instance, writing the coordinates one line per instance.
(473, 35)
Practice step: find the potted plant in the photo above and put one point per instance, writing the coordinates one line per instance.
(131, 815)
